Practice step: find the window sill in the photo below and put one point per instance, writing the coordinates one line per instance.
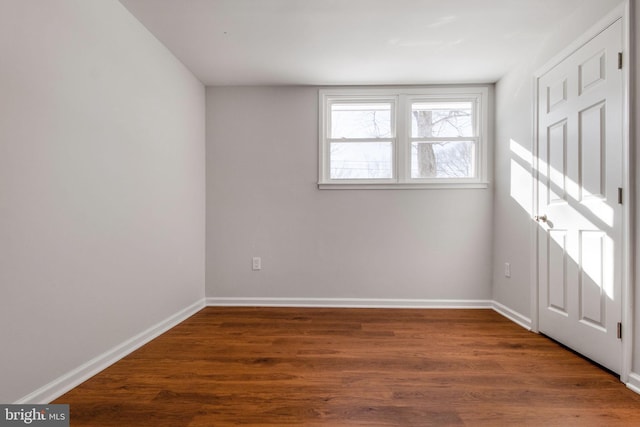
(404, 186)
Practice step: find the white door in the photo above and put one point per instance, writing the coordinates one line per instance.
(579, 211)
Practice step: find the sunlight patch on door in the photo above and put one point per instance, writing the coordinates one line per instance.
(596, 205)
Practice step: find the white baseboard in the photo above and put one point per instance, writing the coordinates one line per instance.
(66, 382)
(512, 315)
(634, 382)
(346, 303)
(505, 311)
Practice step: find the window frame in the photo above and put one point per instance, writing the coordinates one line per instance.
(402, 100)
(373, 99)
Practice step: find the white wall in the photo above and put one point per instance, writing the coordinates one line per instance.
(101, 186)
(262, 200)
(514, 136)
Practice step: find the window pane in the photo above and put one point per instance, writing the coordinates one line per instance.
(442, 119)
(443, 159)
(361, 160)
(371, 120)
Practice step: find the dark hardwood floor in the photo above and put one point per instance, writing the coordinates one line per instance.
(335, 367)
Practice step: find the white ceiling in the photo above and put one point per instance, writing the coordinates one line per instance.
(327, 42)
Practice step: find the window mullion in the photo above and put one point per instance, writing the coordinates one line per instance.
(445, 139)
(403, 152)
(359, 140)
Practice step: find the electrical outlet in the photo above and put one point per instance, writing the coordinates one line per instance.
(256, 263)
(507, 269)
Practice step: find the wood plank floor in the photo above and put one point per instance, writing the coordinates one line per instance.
(335, 367)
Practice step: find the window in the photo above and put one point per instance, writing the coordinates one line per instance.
(410, 138)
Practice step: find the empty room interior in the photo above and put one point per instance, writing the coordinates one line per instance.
(330, 212)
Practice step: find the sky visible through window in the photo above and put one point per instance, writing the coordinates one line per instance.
(365, 158)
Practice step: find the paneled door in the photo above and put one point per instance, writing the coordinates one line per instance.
(579, 180)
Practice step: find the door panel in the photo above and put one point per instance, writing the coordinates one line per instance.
(592, 297)
(579, 171)
(556, 171)
(557, 247)
(591, 145)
